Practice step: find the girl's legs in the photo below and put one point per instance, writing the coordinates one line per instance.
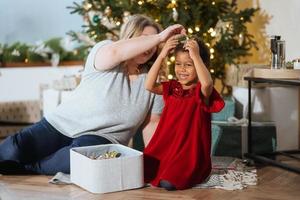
(167, 185)
(60, 160)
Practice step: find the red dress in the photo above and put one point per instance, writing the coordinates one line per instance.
(180, 148)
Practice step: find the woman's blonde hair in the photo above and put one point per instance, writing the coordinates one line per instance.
(135, 25)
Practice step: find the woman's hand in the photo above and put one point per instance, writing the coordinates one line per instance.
(193, 48)
(171, 43)
(170, 31)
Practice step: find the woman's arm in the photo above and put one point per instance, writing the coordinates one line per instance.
(151, 83)
(202, 71)
(149, 128)
(111, 55)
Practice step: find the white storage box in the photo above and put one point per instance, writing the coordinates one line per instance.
(107, 175)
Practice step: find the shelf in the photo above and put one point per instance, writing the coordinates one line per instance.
(275, 73)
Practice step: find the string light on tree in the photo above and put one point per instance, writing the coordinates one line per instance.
(140, 3)
(197, 29)
(170, 76)
(213, 3)
(190, 30)
(126, 14)
(172, 58)
(213, 34)
(210, 30)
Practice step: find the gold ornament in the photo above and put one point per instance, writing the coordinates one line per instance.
(107, 155)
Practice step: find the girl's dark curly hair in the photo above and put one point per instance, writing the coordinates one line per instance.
(204, 52)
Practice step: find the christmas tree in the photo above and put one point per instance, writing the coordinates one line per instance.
(218, 23)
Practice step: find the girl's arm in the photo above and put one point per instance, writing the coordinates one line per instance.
(111, 55)
(202, 71)
(151, 83)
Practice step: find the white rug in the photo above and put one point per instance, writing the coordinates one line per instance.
(229, 174)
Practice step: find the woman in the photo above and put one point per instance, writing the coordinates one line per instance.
(108, 106)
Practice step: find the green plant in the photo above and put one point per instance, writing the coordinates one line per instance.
(42, 52)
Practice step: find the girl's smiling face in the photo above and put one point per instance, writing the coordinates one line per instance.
(184, 68)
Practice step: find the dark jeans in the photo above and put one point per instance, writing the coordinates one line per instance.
(42, 149)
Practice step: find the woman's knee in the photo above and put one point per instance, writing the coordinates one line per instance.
(9, 149)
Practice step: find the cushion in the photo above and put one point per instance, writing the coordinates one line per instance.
(20, 111)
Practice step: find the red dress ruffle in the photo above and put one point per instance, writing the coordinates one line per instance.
(179, 150)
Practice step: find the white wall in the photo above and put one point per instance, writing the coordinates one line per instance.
(33, 20)
(285, 22)
(18, 84)
(277, 104)
(285, 112)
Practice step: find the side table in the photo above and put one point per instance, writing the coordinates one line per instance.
(265, 158)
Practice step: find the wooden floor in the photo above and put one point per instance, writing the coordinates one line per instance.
(273, 183)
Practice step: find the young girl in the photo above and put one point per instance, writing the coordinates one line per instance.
(178, 155)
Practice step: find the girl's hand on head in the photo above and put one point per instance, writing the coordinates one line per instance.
(193, 48)
(171, 43)
(170, 31)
